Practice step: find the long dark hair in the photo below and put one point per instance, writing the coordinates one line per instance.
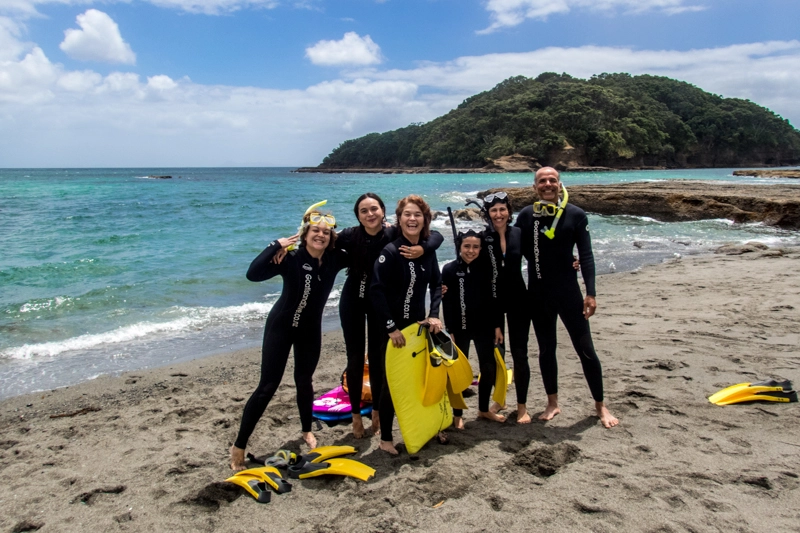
(361, 262)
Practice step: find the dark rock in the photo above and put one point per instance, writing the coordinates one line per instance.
(781, 173)
(160, 177)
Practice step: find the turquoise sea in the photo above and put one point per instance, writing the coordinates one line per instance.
(106, 270)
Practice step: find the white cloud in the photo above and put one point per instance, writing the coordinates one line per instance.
(507, 13)
(97, 40)
(214, 7)
(80, 118)
(351, 50)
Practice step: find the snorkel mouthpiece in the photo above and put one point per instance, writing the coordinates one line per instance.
(551, 233)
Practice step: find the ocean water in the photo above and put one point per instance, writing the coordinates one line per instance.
(107, 270)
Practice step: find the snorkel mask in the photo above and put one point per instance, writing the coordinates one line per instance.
(320, 218)
(547, 208)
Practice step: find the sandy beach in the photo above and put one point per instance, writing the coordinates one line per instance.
(148, 450)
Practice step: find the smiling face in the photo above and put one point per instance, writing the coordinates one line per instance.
(499, 216)
(547, 184)
(370, 215)
(411, 221)
(470, 248)
(317, 238)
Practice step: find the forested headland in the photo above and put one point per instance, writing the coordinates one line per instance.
(610, 120)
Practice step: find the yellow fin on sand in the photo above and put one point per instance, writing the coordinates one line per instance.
(768, 390)
(405, 374)
(254, 485)
(336, 466)
(323, 453)
(269, 475)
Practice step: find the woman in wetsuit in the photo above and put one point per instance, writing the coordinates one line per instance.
(397, 293)
(471, 313)
(502, 244)
(364, 243)
(295, 321)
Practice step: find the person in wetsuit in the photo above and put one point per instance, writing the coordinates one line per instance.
(397, 294)
(551, 228)
(294, 321)
(363, 244)
(502, 245)
(471, 313)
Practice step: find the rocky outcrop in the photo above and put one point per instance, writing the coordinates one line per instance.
(681, 200)
(514, 163)
(780, 173)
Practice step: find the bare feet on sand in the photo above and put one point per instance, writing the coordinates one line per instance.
(606, 418)
(496, 408)
(310, 439)
(358, 427)
(388, 447)
(237, 459)
(458, 422)
(489, 415)
(522, 414)
(376, 423)
(552, 408)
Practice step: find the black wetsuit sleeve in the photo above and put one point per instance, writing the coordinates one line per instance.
(262, 267)
(450, 300)
(435, 286)
(379, 289)
(585, 255)
(433, 242)
(345, 239)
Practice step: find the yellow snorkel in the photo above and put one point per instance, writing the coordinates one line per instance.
(300, 227)
(551, 233)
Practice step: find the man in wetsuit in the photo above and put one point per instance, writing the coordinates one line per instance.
(551, 228)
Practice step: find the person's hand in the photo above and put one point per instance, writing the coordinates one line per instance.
(576, 264)
(498, 335)
(434, 324)
(279, 256)
(411, 252)
(444, 289)
(288, 241)
(397, 338)
(589, 306)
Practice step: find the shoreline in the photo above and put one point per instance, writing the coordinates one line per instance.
(147, 450)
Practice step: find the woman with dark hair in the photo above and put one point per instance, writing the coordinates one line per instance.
(398, 292)
(502, 243)
(363, 244)
(294, 321)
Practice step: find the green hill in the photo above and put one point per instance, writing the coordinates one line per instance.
(612, 120)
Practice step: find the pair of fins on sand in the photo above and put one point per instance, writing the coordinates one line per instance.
(448, 370)
(325, 460)
(768, 390)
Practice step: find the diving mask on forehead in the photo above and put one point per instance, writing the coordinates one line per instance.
(494, 198)
(550, 210)
(304, 224)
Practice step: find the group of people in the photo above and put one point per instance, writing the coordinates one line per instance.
(391, 269)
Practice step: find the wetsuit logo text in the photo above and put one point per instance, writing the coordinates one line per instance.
(303, 301)
(409, 292)
(363, 287)
(463, 303)
(536, 249)
(493, 260)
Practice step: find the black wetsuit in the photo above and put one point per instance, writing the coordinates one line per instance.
(554, 291)
(471, 313)
(354, 306)
(294, 320)
(508, 286)
(397, 294)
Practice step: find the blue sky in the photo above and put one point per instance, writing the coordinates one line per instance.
(282, 82)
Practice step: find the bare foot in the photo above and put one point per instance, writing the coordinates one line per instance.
(443, 438)
(310, 439)
(496, 408)
(608, 420)
(458, 422)
(237, 459)
(376, 423)
(388, 447)
(522, 414)
(358, 427)
(550, 411)
(489, 415)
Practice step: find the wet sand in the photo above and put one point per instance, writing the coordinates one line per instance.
(148, 451)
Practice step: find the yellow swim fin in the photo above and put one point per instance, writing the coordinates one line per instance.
(252, 484)
(271, 476)
(323, 453)
(333, 467)
(502, 377)
(767, 390)
(459, 371)
(456, 398)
